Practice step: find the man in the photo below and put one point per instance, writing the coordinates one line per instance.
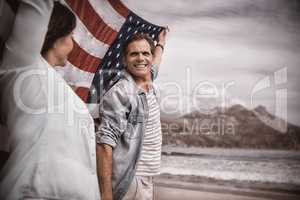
(129, 135)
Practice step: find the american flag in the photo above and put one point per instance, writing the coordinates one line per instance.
(96, 61)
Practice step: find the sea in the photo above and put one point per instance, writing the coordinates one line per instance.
(267, 166)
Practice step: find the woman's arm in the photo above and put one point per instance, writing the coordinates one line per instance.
(28, 33)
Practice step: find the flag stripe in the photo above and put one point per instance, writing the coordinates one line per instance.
(83, 60)
(82, 92)
(93, 22)
(109, 15)
(119, 7)
(88, 42)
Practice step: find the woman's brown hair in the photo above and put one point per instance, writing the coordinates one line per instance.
(62, 23)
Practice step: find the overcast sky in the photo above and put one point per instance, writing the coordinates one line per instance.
(239, 44)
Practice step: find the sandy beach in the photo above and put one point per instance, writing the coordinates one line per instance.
(170, 189)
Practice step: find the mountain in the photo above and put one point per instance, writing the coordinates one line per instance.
(232, 127)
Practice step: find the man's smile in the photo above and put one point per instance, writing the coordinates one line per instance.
(140, 65)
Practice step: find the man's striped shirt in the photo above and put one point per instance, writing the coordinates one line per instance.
(149, 162)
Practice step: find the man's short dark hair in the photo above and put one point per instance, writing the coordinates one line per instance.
(137, 37)
(62, 23)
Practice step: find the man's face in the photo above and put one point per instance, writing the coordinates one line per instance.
(138, 59)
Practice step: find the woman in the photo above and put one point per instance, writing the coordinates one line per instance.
(51, 134)
(6, 18)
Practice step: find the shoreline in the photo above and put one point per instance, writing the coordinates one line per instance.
(192, 182)
(230, 152)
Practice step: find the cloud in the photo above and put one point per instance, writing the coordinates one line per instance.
(222, 41)
(161, 10)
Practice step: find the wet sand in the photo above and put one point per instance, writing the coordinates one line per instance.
(168, 193)
(166, 189)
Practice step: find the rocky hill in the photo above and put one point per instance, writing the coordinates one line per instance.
(233, 127)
